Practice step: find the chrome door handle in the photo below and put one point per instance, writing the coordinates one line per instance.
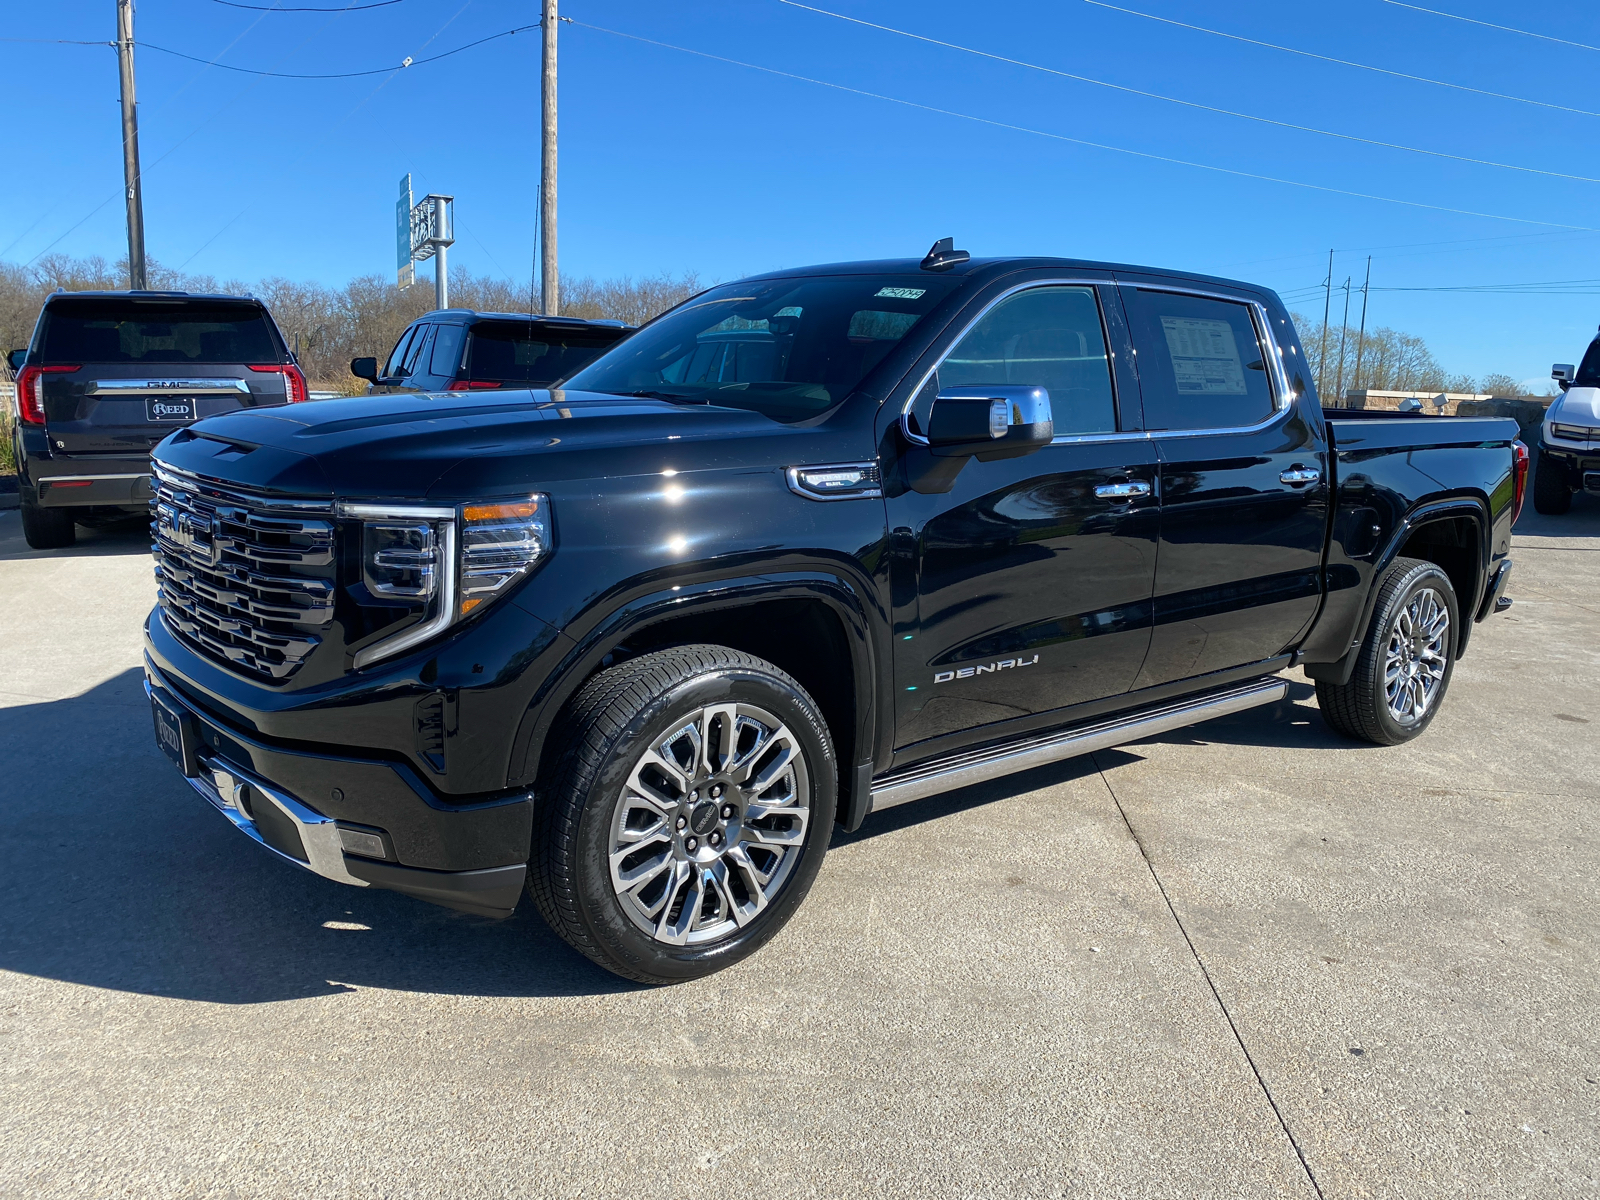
(1300, 475)
(1132, 490)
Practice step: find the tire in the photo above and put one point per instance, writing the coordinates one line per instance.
(1412, 595)
(1552, 491)
(45, 528)
(676, 907)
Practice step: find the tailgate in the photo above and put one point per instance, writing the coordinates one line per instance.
(92, 411)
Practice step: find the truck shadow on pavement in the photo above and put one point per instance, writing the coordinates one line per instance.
(131, 536)
(115, 874)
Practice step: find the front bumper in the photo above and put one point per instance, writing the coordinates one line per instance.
(1582, 463)
(373, 829)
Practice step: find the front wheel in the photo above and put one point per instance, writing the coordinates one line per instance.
(1403, 667)
(687, 815)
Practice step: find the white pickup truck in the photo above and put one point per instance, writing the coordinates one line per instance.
(1569, 449)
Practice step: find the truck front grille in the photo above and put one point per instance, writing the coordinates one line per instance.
(244, 578)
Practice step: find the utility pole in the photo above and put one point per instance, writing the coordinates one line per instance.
(549, 279)
(1327, 311)
(1344, 328)
(1361, 341)
(130, 146)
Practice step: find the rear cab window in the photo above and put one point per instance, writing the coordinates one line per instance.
(133, 331)
(519, 352)
(1201, 361)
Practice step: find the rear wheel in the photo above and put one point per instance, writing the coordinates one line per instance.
(45, 528)
(1404, 664)
(687, 815)
(1552, 489)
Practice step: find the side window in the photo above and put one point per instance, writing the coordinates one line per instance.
(446, 357)
(398, 354)
(1201, 364)
(1049, 337)
(416, 359)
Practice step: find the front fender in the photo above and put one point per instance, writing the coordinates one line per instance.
(852, 601)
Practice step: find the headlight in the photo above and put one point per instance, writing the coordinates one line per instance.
(1573, 433)
(452, 561)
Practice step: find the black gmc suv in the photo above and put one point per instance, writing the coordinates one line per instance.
(808, 546)
(107, 375)
(459, 350)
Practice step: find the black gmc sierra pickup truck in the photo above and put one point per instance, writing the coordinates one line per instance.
(807, 546)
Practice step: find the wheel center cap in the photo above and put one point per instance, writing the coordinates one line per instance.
(704, 818)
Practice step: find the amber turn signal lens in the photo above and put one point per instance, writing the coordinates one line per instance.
(517, 510)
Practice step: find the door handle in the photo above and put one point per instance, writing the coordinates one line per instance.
(1132, 490)
(1298, 475)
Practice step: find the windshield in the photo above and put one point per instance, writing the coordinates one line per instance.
(113, 330)
(1589, 369)
(789, 349)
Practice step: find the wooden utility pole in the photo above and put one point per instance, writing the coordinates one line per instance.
(1361, 341)
(549, 278)
(1327, 311)
(130, 146)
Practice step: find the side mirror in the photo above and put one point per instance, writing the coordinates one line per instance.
(990, 422)
(365, 368)
(16, 358)
(1564, 374)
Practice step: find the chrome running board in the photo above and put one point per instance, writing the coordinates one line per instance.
(991, 762)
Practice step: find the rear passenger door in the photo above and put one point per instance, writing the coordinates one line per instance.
(1244, 500)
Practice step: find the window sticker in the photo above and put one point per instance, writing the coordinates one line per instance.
(1205, 357)
(894, 293)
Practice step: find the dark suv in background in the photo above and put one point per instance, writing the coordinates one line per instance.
(458, 350)
(107, 375)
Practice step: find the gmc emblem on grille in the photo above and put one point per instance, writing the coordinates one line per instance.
(193, 534)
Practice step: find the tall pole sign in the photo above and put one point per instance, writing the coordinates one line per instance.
(406, 269)
(424, 230)
(130, 146)
(550, 280)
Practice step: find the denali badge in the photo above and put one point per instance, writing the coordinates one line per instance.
(969, 672)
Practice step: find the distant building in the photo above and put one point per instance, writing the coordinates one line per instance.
(1438, 404)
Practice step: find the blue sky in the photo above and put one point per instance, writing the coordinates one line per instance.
(673, 161)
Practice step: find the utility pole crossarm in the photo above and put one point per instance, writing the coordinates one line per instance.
(130, 146)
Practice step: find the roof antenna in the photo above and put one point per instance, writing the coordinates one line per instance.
(944, 255)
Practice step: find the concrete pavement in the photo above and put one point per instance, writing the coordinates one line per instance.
(1246, 959)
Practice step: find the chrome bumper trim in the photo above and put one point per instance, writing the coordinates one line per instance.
(976, 766)
(222, 781)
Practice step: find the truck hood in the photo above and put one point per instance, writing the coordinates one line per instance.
(1577, 406)
(451, 446)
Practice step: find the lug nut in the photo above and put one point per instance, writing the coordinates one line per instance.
(693, 796)
(727, 812)
(692, 845)
(716, 839)
(716, 791)
(682, 821)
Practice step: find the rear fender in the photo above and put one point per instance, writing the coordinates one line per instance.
(1476, 509)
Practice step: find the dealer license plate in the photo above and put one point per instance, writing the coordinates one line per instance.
(174, 734)
(170, 408)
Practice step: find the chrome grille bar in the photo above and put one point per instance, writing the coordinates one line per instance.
(245, 578)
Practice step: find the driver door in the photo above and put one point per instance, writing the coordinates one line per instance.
(1029, 582)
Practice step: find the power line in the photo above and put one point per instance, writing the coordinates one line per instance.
(1228, 112)
(56, 41)
(1061, 137)
(408, 62)
(1544, 37)
(278, 8)
(1343, 62)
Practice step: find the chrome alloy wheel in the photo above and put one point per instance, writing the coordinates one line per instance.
(710, 824)
(1417, 655)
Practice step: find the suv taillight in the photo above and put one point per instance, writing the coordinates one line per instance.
(30, 392)
(295, 390)
(1519, 467)
(472, 385)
